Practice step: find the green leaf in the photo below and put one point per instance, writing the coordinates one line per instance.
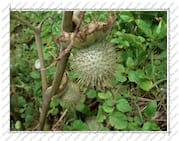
(106, 95)
(54, 103)
(108, 107)
(120, 78)
(29, 119)
(130, 62)
(133, 40)
(123, 105)
(132, 126)
(118, 120)
(140, 79)
(53, 111)
(121, 43)
(146, 85)
(140, 74)
(151, 109)
(91, 93)
(100, 115)
(126, 16)
(133, 77)
(35, 75)
(145, 26)
(119, 75)
(22, 110)
(80, 107)
(150, 126)
(78, 125)
(161, 30)
(18, 125)
(138, 120)
(21, 101)
(120, 68)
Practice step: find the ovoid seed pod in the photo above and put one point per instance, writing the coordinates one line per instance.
(71, 95)
(95, 65)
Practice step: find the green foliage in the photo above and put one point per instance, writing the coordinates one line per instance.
(150, 125)
(54, 107)
(18, 125)
(77, 125)
(151, 109)
(135, 102)
(106, 95)
(123, 106)
(118, 120)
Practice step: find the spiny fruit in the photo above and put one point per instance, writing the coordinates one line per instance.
(95, 65)
(71, 95)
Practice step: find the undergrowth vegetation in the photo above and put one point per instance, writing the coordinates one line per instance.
(137, 100)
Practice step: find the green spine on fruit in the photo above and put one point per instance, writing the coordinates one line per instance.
(95, 65)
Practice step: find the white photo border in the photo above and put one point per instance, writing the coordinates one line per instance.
(172, 63)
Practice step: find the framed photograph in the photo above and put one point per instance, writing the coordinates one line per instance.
(89, 70)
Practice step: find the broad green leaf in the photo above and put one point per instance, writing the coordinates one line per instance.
(21, 101)
(118, 120)
(151, 109)
(100, 115)
(80, 107)
(116, 41)
(142, 39)
(91, 93)
(145, 26)
(106, 95)
(150, 126)
(130, 62)
(161, 30)
(54, 103)
(78, 125)
(53, 111)
(22, 110)
(28, 119)
(141, 79)
(35, 75)
(123, 105)
(120, 68)
(119, 75)
(18, 125)
(109, 102)
(121, 43)
(132, 126)
(133, 40)
(140, 74)
(107, 108)
(126, 16)
(120, 78)
(146, 85)
(133, 77)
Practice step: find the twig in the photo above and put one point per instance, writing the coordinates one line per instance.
(60, 119)
(41, 58)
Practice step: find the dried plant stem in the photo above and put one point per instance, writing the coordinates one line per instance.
(60, 119)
